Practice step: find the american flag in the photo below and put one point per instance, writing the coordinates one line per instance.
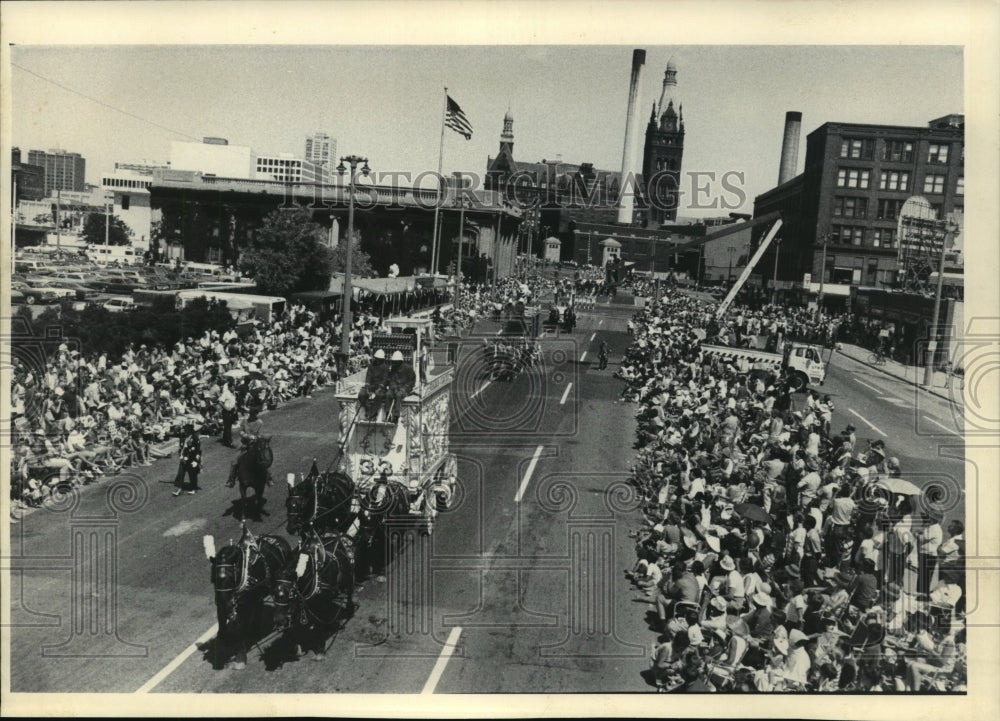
(456, 120)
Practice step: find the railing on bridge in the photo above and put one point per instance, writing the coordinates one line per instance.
(337, 193)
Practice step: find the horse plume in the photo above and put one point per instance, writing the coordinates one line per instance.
(209, 544)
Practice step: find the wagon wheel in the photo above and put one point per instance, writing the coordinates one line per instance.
(442, 494)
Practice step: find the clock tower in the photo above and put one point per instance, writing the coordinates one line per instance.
(662, 154)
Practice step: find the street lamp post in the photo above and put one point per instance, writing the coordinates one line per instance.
(932, 341)
(732, 249)
(345, 336)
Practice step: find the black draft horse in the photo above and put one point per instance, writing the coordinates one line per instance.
(251, 472)
(324, 500)
(314, 595)
(380, 503)
(243, 576)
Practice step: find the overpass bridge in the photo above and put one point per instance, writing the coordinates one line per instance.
(212, 217)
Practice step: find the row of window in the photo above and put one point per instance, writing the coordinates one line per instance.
(885, 208)
(897, 151)
(278, 163)
(122, 183)
(856, 235)
(852, 276)
(894, 180)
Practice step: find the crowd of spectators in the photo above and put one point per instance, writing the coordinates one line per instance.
(78, 418)
(779, 551)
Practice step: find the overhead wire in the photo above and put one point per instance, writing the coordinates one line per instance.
(102, 103)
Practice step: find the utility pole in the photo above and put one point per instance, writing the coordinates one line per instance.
(13, 223)
(932, 341)
(822, 279)
(774, 281)
(458, 263)
(58, 222)
(107, 220)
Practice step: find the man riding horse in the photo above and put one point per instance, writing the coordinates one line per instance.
(251, 431)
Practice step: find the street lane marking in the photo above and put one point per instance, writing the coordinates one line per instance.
(527, 474)
(583, 357)
(866, 385)
(485, 386)
(600, 322)
(893, 400)
(874, 427)
(565, 394)
(170, 667)
(185, 527)
(446, 652)
(941, 425)
(592, 336)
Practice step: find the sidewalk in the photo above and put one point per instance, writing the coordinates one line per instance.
(910, 374)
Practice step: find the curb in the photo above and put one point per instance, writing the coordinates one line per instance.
(932, 391)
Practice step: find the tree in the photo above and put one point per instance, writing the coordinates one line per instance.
(361, 262)
(93, 230)
(287, 254)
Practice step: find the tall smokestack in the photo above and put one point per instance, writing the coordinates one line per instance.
(627, 201)
(790, 146)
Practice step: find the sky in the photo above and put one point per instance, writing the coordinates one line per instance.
(385, 102)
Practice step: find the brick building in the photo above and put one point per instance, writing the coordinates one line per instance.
(849, 197)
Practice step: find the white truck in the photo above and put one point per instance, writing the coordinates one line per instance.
(800, 363)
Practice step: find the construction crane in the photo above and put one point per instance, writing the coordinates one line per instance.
(731, 295)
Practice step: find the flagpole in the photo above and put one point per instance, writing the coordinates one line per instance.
(437, 206)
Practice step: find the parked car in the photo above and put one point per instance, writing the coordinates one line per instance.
(82, 289)
(117, 305)
(34, 295)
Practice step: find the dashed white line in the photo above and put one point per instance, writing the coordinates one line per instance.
(873, 426)
(867, 385)
(527, 474)
(592, 336)
(583, 357)
(600, 322)
(941, 425)
(170, 667)
(485, 386)
(565, 394)
(446, 652)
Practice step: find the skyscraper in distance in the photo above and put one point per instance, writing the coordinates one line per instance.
(63, 170)
(321, 149)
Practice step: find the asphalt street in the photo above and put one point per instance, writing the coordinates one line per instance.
(519, 589)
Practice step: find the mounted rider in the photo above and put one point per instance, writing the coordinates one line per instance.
(251, 429)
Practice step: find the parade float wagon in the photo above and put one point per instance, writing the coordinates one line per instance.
(415, 450)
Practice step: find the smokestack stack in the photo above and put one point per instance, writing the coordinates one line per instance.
(790, 146)
(627, 201)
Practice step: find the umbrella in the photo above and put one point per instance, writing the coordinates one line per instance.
(236, 373)
(752, 512)
(898, 485)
